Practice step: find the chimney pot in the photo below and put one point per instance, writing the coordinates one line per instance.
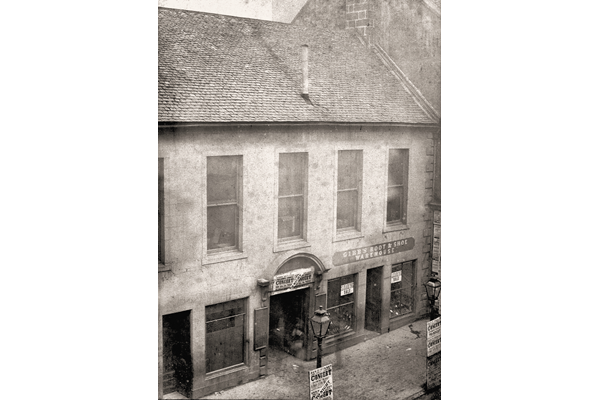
(305, 69)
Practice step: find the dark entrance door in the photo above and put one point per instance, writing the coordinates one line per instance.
(177, 357)
(288, 322)
(373, 303)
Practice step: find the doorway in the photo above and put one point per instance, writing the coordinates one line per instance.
(177, 356)
(288, 322)
(373, 297)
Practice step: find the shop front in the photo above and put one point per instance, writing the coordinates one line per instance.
(281, 326)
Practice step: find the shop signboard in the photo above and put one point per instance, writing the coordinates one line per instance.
(321, 383)
(376, 250)
(292, 280)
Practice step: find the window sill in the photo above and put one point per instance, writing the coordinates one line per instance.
(223, 257)
(226, 371)
(291, 245)
(163, 268)
(339, 337)
(347, 235)
(395, 227)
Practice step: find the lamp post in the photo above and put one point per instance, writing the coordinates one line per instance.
(433, 288)
(320, 325)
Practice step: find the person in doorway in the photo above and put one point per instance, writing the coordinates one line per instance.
(183, 371)
(297, 341)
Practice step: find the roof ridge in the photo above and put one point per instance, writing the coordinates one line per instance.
(222, 15)
(263, 21)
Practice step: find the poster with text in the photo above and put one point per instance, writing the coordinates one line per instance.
(321, 383)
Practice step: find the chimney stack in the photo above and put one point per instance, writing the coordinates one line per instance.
(360, 15)
(304, 70)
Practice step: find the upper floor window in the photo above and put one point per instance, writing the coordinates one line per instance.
(224, 208)
(397, 188)
(349, 190)
(292, 196)
(161, 211)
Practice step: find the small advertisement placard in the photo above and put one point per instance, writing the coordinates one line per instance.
(347, 289)
(434, 371)
(396, 276)
(434, 336)
(321, 383)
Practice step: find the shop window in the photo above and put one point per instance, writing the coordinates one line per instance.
(292, 196)
(402, 289)
(224, 208)
(349, 190)
(225, 334)
(397, 187)
(340, 304)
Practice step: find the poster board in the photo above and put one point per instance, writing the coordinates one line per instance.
(321, 383)
(434, 353)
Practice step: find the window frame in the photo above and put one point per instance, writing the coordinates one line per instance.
(352, 328)
(356, 229)
(219, 204)
(231, 253)
(403, 222)
(294, 241)
(244, 338)
(412, 287)
(165, 265)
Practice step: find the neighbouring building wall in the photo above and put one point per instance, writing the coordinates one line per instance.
(286, 10)
(323, 14)
(408, 30)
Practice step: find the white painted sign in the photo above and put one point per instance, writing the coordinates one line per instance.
(396, 276)
(292, 279)
(321, 383)
(347, 288)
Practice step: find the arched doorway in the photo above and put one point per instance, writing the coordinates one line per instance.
(291, 290)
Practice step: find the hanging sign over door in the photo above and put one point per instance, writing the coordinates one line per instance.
(292, 280)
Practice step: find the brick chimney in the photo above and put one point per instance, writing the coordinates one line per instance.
(360, 15)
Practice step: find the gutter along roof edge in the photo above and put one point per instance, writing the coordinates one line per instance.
(163, 124)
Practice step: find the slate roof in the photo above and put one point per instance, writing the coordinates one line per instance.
(217, 68)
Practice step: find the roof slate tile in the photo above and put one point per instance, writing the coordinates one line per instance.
(217, 68)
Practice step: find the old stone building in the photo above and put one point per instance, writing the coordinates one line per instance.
(296, 170)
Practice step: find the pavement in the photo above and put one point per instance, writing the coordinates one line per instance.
(387, 366)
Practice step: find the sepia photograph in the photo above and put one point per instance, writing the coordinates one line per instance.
(299, 199)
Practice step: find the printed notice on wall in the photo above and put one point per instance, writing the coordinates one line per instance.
(396, 276)
(434, 353)
(434, 371)
(347, 288)
(434, 336)
(321, 383)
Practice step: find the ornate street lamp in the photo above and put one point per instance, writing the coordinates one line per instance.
(320, 325)
(433, 288)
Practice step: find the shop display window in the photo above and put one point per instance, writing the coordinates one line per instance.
(340, 304)
(225, 334)
(402, 289)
